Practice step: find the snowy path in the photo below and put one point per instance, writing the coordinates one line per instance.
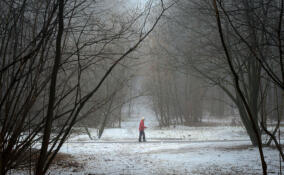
(180, 150)
(159, 141)
(220, 150)
(199, 157)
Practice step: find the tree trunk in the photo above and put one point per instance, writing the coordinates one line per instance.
(52, 93)
(247, 123)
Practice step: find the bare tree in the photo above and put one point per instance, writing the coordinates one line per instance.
(194, 29)
(48, 49)
(239, 91)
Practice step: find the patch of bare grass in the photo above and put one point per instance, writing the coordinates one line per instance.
(237, 148)
(61, 160)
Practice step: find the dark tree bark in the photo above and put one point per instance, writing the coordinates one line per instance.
(41, 164)
(239, 91)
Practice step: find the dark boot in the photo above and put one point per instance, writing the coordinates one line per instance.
(140, 135)
(144, 140)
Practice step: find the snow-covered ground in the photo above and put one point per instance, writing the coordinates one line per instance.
(212, 154)
(172, 133)
(173, 150)
(235, 157)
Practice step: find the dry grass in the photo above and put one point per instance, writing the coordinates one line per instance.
(66, 161)
(61, 160)
(237, 148)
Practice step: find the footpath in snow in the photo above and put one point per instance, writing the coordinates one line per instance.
(175, 150)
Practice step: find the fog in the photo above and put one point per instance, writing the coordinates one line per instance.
(141, 87)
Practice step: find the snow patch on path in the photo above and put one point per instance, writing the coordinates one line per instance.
(170, 158)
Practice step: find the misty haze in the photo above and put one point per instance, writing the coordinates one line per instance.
(132, 87)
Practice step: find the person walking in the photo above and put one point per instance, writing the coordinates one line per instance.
(141, 130)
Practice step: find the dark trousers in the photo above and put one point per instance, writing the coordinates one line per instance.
(142, 133)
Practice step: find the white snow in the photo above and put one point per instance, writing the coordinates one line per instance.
(173, 150)
(235, 157)
(206, 151)
(177, 133)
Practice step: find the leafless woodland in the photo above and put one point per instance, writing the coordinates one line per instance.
(66, 63)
